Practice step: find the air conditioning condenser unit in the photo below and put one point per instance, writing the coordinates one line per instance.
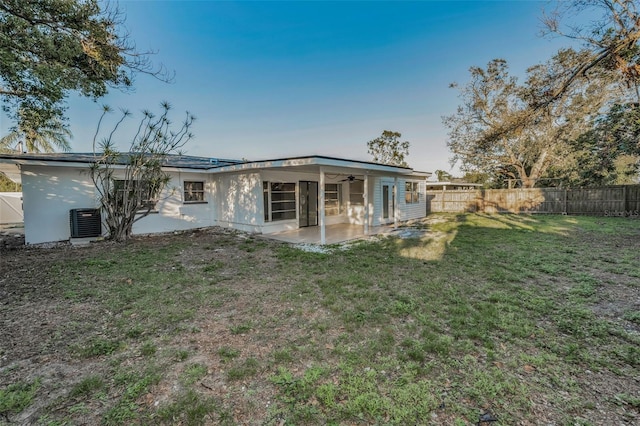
(85, 223)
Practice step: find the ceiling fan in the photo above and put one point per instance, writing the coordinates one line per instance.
(351, 178)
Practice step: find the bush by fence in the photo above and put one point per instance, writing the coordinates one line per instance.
(620, 200)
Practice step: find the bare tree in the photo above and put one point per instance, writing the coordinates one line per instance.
(129, 183)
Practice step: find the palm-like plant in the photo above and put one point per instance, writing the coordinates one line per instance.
(38, 137)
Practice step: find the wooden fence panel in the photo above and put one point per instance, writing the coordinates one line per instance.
(632, 195)
(620, 200)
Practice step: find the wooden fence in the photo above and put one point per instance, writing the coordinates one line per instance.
(620, 200)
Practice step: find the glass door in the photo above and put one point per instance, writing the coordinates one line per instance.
(308, 204)
(388, 200)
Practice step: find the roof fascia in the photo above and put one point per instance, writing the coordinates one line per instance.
(313, 161)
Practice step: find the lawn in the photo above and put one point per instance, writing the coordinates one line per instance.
(462, 318)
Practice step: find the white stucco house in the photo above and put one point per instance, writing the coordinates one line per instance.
(266, 197)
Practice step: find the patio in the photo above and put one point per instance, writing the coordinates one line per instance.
(335, 234)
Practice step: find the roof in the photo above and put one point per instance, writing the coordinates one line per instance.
(177, 161)
(449, 183)
(311, 163)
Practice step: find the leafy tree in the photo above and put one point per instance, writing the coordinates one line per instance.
(7, 185)
(610, 50)
(443, 176)
(44, 137)
(49, 48)
(129, 183)
(607, 154)
(387, 149)
(486, 132)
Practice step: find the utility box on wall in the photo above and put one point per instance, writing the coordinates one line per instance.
(85, 223)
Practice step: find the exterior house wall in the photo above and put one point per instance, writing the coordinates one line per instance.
(51, 192)
(232, 199)
(48, 195)
(378, 207)
(413, 210)
(172, 213)
(237, 201)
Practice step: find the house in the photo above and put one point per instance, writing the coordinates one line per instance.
(266, 197)
(451, 186)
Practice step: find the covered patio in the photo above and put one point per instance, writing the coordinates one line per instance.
(334, 234)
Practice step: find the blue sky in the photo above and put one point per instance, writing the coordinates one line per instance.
(279, 79)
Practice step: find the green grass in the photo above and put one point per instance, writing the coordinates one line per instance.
(17, 396)
(498, 313)
(193, 373)
(87, 386)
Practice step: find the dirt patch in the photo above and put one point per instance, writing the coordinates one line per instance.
(11, 238)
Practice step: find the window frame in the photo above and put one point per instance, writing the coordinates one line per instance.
(411, 192)
(200, 192)
(337, 208)
(359, 196)
(146, 204)
(286, 205)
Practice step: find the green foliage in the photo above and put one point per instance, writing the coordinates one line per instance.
(500, 131)
(50, 48)
(35, 135)
(17, 396)
(7, 185)
(387, 149)
(609, 153)
(558, 127)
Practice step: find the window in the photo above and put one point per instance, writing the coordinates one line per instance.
(332, 199)
(279, 201)
(126, 192)
(356, 192)
(193, 192)
(411, 192)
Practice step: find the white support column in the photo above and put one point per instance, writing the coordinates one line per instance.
(395, 202)
(323, 236)
(366, 204)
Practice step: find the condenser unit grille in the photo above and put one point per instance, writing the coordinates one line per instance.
(85, 223)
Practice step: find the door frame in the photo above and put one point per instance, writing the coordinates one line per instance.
(306, 200)
(388, 202)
